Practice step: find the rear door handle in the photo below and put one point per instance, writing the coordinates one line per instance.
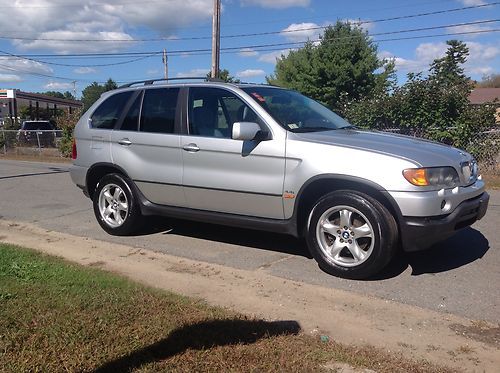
(193, 148)
(125, 142)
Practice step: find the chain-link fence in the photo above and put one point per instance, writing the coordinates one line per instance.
(485, 145)
(28, 141)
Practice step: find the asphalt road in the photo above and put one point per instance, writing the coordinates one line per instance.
(459, 276)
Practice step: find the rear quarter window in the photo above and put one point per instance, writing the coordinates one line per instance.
(109, 111)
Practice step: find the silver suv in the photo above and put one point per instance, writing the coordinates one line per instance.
(267, 158)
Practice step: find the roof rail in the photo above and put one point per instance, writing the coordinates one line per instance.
(151, 81)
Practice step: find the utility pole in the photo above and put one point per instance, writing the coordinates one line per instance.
(216, 40)
(165, 62)
(74, 88)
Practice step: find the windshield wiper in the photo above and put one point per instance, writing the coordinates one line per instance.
(349, 127)
(311, 129)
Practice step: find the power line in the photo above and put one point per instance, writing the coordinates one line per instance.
(74, 65)
(254, 34)
(260, 48)
(257, 47)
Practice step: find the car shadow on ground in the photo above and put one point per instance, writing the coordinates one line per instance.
(201, 336)
(465, 247)
(230, 235)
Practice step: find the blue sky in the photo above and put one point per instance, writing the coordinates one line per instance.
(67, 27)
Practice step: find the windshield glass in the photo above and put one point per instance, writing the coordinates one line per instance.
(295, 112)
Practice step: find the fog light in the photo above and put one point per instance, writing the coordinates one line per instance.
(443, 204)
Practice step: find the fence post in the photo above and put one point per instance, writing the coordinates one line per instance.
(38, 140)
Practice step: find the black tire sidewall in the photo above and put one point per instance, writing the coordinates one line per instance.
(133, 214)
(383, 231)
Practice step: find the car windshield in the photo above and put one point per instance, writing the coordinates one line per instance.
(296, 112)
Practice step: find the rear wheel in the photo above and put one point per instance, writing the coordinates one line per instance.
(115, 206)
(351, 235)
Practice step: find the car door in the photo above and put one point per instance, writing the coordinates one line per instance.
(226, 175)
(147, 145)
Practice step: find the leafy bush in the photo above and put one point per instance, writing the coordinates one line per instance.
(67, 123)
(9, 139)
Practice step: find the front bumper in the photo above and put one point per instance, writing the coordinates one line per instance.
(419, 233)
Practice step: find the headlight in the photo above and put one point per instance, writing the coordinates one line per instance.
(432, 176)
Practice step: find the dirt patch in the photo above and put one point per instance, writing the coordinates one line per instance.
(338, 315)
(479, 332)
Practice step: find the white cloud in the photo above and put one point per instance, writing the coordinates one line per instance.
(482, 52)
(10, 78)
(469, 28)
(277, 4)
(248, 52)
(297, 32)
(84, 70)
(482, 70)
(250, 73)
(10, 65)
(193, 73)
(272, 56)
(152, 72)
(472, 2)
(58, 86)
(61, 41)
(88, 19)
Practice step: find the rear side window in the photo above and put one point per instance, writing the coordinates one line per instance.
(108, 113)
(158, 110)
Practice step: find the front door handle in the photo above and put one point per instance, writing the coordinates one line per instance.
(125, 142)
(191, 148)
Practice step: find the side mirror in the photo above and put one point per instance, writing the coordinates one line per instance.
(248, 131)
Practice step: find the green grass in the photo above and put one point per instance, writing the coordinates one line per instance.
(58, 316)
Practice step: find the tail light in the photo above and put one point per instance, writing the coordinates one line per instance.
(73, 150)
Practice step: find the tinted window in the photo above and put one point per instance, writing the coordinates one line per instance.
(213, 111)
(108, 113)
(158, 110)
(131, 120)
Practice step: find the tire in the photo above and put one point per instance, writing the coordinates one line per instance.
(116, 206)
(351, 235)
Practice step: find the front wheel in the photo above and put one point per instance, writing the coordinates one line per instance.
(115, 206)
(351, 235)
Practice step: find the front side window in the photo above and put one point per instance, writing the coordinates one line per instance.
(212, 112)
(158, 110)
(295, 112)
(108, 113)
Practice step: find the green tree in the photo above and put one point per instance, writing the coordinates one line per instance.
(92, 92)
(342, 67)
(225, 76)
(66, 95)
(449, 69)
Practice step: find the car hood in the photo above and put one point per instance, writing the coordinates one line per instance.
(424, 153)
